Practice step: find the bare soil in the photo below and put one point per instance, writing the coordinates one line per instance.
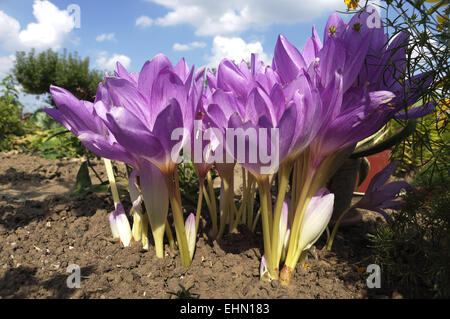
(43, 231)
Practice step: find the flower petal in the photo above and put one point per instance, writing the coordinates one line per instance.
(317, 216)
(288, 61)
(131, 133)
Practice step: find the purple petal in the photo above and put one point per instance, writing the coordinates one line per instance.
(102, 95)
(131, 133)
(212, 79)
(287, 130)
(75, 113)
(357, 123)
(417, 112)
(381, 177)
(166, 123)
(216, 117)
(182, 70)
(168, 86)
(124, 93)
(259, 104)
(227, 102)
(332, 59)
(150, 71)
(279, 101)
(123, 73)
(230, 78)
(288, 60)
(312, 47)
(100, 146)
(334, 27)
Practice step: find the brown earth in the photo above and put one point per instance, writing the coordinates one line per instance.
(43, 231)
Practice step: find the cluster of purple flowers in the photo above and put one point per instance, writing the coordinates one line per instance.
(320, 102)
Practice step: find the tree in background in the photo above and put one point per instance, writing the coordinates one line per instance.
(10, 113)
(36, 72)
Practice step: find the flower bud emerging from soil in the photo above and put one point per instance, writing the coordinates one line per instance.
(120, 226)
(316, 218)
(191, 234)
(263, 271)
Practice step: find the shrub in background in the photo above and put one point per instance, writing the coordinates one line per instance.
(10, 113)
(413, 251)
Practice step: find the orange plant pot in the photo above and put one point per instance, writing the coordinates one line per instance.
(377, 163)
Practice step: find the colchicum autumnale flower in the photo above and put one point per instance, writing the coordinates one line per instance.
(379, 196)
(299, 117)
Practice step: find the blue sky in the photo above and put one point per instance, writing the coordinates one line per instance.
(134, 31)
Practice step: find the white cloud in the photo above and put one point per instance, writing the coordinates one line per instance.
(188, 46)
(108, 63)
(6, 63)
(235, 49)
(212, 18)
(9, 32)
(50, 30)
(106, 37)
(144, 22)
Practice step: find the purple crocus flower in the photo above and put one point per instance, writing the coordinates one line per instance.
(343, 119)
(340, 123)
(385, 65)
(262, 103)
(201, 144)
(84, 119)
(143, 115)
(132, 120)
(380, 195)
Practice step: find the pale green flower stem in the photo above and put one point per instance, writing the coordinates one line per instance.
(112, 182)
(213, 204)
(175, 203)
(310, 182)
(224, 206)
(336, 226)
(169, 236)
(277, 243)
(266, 218)
(199, 203)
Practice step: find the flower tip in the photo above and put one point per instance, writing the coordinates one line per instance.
(56, 90)
(263, 271)
(281, 38)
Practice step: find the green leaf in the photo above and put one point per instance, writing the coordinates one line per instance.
(363, 170)
(84, 185)
(83, 182)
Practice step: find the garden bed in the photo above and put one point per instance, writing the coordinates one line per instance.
(42, 231)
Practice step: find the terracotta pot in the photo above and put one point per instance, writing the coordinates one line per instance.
(377, 163)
